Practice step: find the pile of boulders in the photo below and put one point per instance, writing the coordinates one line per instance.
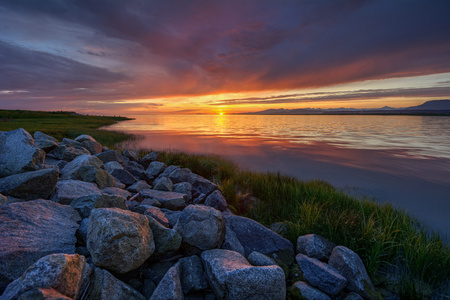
(80, 221)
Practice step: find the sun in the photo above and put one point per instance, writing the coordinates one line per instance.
(221, 113)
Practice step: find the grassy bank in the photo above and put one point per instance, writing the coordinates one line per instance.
(399, 254)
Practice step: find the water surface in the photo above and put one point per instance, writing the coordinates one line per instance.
(404, 160)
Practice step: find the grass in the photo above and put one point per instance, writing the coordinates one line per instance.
(398, 252)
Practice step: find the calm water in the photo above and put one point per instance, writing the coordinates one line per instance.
(404, 160)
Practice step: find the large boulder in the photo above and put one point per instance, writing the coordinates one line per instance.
(350, 265)
(158, 215)
(169, 288)
(67, 190)
(110, 155)
(166, 239)
(116, 192)
(315, 246)
(201, 227)
(201, 185)
(119, 240)
(169, 200)
(30, 185)
(163, 184)
(111, 166)
(180, 175)
(304, 291)
(132, 155)
(148, 159)
(231, 276)
(18, 153)
(71, 170)
(85, 204)
(217, 200)
(255, 237)
(192, 274)
(123, 176)
(321, 275)
(231, 242)
(61, 272)
(31, 230)
(68, 152)
(106, 287)
(45, 142)
(155, 168)
(93, 147)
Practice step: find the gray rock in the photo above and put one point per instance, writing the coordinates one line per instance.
(172, 216)
(184, 188)
(116, 192)
(96, 175)
(259, 259)
(62, 272)
(70, 142)
(107, 287)
(92, 146)
(149, 288)
(169, 200)
(170, 287)
(31, 230)
(111, 166)
(216, 200)
(84, 137)
(279, 227)
(255, 237)
(149, 158)
(313, 245)
(18, 153)
(68, 152)
(70, 171)
(163, 184)
(180, 175)
(119, 240)
(231, 277)
(81, 232)
(138, 186)
(355, 296)
(321, 275)
(124, 176)
(166, 239)
(132, 155)
(201, 185)
(201, 227)
(157, 270)
(110, 155)
(45, 142)
(43, 294)
(158, 215)
(84, 205)
(305, 291)
(350, 265)
(155, 168)
(67, 190)
(137, 170)
(192, 275)
(167, 171)
(231, 242)
(30, 185)
(2, 199)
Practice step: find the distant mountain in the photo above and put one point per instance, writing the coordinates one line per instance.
(441, 107)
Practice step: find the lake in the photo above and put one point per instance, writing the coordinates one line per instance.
(403, 160)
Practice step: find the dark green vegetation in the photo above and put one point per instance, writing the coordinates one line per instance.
(400, 255)
(62, 124)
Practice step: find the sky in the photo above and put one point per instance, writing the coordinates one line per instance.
(198, 56)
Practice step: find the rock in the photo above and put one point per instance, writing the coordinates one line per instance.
(45, 142)
(259, 259)
(321, 275)
(132, 155)
(107, 287)
(85, 204)
(167, 171)
(166, 239)
(172, 216)
(157, 270)
(81, 232)
(180, 175)
(149, 158)
(231, 242)
(136, 170)
(96, 175)
(111, 166)
(110, 155)
(62, 272)
(158, 215)
(43, 294)
(201, 185)
(84, 137)
(216, 200)
(163, 184)
(2, 199)
(201, 227)
(30, 185)
(138, 186)
(71, 170)
(169, 200)
(192, 275)
(67, 152)
(116, 192)
(67, 190)
(71, 142)
(124, 176)
(279, 227)
(149, 288)
(255, 237)
(304, 291)
(315, 246)
(31, 230)
(18, 153)
(184, 188)
(230, 276)
(350, 265)
(170, 287)
(355, 296)
(155, 168)
(119, 240)
(92, 146)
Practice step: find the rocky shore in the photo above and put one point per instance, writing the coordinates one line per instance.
(80, 221)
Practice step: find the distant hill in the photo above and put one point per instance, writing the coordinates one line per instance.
(433, 107)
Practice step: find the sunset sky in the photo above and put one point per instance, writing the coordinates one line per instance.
(143, 56)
